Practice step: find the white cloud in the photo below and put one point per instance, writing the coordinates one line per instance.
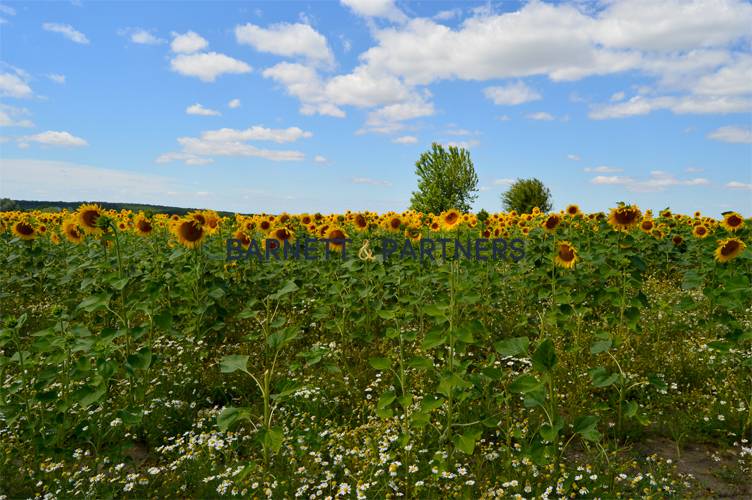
(187, 43)
(7, 10)
(141, 36)
(233, 104)
(53, 138)
(13, 85)
(540, 116)
(739, 135)
(208, 66)
(690, 104)
(369, 181)
(503, 118)
(405, 139)
(67, 31)
(503, 182)
(573, 157)
(463, 144)
(11, 116)
(285, 39)
(320, 159)
(57, 78)
(198, 109)
(446, 15)
(189, 159)
(233, 142)
(617, 96)
(739, 185)
(694, 170)
(657, 181)
(304, 83)
(511, 94)
(376, 8)
(388, 119)
(603, 169)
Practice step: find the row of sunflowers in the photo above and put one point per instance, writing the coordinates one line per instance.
(194, 228)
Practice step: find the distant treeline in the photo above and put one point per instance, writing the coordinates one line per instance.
(56, 206)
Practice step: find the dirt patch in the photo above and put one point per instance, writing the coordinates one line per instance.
(714, 468)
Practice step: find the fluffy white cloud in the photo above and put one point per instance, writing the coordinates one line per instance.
(53, 138)
(541, 116)
(574, 157)
(369, 181)
(233, 104)
(13, 85)
(320, 159)
(189, 159)
(141, 36)
(732, 134)
(739, 185)
(198, 109)
(376, 8)
(257, 133)
(603, 169)
(511, 94)
(657, 181)
(207, 66)
(57, 78)
(187, 43)
(67, 31)
(688, 104)
(11, 116)
(285, 39)
(304, 83)
(406, 139)
(503, 182)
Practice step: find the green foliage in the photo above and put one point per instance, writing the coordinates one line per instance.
(526, 194)
(446, 180)
(8, 205)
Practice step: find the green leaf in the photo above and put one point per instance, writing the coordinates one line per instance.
(231, 415)
(94, 302)
(380, 363)
(602, 378)
(234, 362)
(420, 363)
(516, 346)
(544, 358)
(386, 314)
(88, 395)
(141, 359)
(289, 287)
(430, 403)
(385, 399)
(120, 284)
(272, 438)
(524, 384)
(587, 427)
(465, 442)
(600, 346)
(434, 338)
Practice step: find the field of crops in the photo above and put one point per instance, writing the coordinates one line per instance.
(612, 357)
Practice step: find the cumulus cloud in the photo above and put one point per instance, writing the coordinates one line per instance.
(540, 116)
(198, 109)
(141, 36)
(57, 78)
(658, 180)
(739, 185)
(376, 8)
(208, 66)
(11, 116)
(285, 39)
(405, 139)
(52, 138)
(233, 104)
(739, 135)
(603, 169)
(14, 85)
(187, 43)
(573, 157)
(67, 31)
(370, 182)
(320, 159)
(511, 94)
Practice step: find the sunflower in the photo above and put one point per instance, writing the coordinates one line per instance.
(435, 226)
(536, 211)
(732, 221)
(212, 221)
(189, 232)
(360, 222)
(55, 238)
(143, 225)
(677, 240)
(729, 249)
(88, 216)
(551, 223)
(24, 230)
(647, 226)
(336, 233)
(265, 225)
(305, 219)
(72, 232)
(566, 255)
(450, 219)
(281, 234)
(573, 210)
(393, 223)
(624, 217)
(700, 231)
(198, 216)
(413, 233)
(245, 241)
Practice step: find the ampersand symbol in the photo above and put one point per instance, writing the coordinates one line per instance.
(365, 252)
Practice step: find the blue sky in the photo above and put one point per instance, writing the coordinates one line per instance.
(326, 106)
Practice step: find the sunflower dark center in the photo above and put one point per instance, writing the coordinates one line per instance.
(395, 223)
(451, 218)
(90, 218)
(729, 248)
(144, 226)
(566, 253)
(734, 221)
(190, 231)
(24, 229)
(626, 216)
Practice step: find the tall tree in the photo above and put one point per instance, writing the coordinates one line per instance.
(526, 194)
(446, 179)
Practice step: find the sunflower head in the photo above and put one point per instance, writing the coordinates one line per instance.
(450, 219)
(729, 249)
(413, 233)
(189, 232)
(393, 223)
(551, 223)
(566, 255)
(700, 231)
(245, 241)
(336, 237)
(88, 218)
(624, 217)
(24, 230)
(282, 234)
(143, 225)
(732, 221)
(72, 232)
(677, 240)
(647, 225)
(360, 222)
(573, 210)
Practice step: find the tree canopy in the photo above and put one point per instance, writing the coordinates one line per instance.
(446, 179)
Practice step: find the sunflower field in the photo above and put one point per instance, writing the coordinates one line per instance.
(613, 360)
